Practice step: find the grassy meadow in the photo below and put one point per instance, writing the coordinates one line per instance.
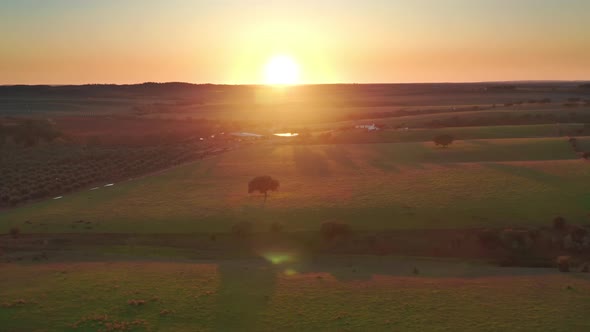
(460, 133)
(157, 252)
(257, 296)
(473, 183)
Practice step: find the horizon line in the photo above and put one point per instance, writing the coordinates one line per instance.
(303, 84)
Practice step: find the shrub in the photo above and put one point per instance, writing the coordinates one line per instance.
(242, 228)
(514, 239)
(586, 155)
(534, 234)
(14, 201)
(330, 229)
(276, 227)
(559, 223)
(578, 234)
(136, 302)
(165, 312)
(489, 239)
(444, 140)
(563, 263)
(15, 232)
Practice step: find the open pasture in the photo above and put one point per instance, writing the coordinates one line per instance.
(460, 133)
(344, 293)
(501, 116)
(474, 183)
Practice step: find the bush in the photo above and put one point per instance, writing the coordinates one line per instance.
(14, 232)
(573, 142)
(578, 234)
(489, 239)
(444, 140)
(134, 302)
(330, 229)
(559, 223)
(243, 228)
(534, 234)
(563, 263)
(514, 239)
(276, 227)
(14, 201)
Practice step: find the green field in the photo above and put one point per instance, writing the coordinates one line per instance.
(525, 116)
(504, 182)
(368, 294)
(156, 251)
(460, 133)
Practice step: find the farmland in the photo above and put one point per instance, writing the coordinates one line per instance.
(256, 296)
(137, 216)
(401, 185)
(56, 170)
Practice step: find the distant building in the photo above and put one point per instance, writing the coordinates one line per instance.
(368, 127)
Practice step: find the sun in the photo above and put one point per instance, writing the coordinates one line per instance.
(281, 70)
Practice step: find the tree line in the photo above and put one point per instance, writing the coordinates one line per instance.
(28, 132)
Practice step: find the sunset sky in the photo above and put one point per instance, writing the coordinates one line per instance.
(231, 41)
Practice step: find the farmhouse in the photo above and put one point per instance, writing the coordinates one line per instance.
(368, 127)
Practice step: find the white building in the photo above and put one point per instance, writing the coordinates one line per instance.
(368, 127)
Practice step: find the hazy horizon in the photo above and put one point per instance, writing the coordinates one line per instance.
(65, 42)
(305, 84)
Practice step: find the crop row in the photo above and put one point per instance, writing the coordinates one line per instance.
(53, 170)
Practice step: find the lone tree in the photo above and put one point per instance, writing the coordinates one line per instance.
(444, 140)
(263, 184)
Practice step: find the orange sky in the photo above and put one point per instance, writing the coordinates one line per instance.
(230, 41)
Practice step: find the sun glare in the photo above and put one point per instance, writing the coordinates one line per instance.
(281, 70)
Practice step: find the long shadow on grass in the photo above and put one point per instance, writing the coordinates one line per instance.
(244, 293)
(310, 163)
(384, 165)
(524, 172)
(340, 155)
(389, 163)
(479, 142)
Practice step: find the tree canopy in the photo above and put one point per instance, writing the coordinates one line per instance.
(29, 132)
(444, 140)
(263, 184)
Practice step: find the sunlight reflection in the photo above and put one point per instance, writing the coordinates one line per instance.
(287, 134)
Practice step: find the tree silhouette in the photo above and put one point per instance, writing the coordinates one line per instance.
(29, 132)
(444, 140)
(3, 134)
(263, 184)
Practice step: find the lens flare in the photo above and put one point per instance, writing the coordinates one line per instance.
(278, 257)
